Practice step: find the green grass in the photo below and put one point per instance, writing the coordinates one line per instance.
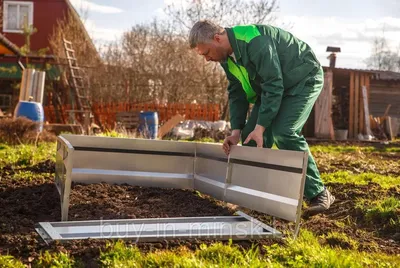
(29, 175)
(361, 179)
(46, 259)
(26, 155)
(7, 261)
(382, 212)
(386, 209)
(115, 134)
(55, 260)
(341, 240)
(353, 149)
(306, 251)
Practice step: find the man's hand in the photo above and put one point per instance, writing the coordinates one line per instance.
(256, 135)
(231, 140)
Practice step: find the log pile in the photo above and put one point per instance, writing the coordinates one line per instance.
(384, 127)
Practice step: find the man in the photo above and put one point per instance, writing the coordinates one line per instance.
(277, 73)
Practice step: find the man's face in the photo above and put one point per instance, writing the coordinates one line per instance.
(212, 51)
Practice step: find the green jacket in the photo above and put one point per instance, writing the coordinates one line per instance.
(270, 62)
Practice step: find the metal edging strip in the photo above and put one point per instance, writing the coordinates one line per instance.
(259, 223)
(266, 165)
(210, 157)
(131, 151)
(48, 230)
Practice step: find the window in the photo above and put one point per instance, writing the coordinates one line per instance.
(16, 13)
(5, 102)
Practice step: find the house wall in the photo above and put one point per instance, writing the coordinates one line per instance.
(45, 16)
(382, 94)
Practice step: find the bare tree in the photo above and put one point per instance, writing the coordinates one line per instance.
(153, 62)
(382, 57)
(223, 12)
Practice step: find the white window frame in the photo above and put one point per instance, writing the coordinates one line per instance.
(6, 98)
(5, 14)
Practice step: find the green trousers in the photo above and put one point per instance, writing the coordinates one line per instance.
(287, 125)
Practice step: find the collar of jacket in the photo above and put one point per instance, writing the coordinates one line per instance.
(233, 42)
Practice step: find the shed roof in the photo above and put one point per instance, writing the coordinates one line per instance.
(375, 74)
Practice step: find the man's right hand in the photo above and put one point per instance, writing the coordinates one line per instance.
(231, 140)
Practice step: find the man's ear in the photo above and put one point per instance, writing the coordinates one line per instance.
(217, 37)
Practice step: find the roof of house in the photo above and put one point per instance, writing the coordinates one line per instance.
(76, 15)
(14, 49)
(10, 45)
(375, 74)
(350, 69)
(386, 75)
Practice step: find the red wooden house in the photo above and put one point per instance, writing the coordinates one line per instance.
(42, 15)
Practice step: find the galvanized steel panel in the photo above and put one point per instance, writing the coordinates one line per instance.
(130, 144)
(267, 180)
(133, 162)
(261, 180)
(291, 159)
(208, 186)
(241, 227)
(210, 170)
(136, 178)
(270, 204)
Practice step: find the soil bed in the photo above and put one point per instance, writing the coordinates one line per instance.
(26, 202)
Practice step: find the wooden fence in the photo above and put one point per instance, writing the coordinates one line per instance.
(107, 112)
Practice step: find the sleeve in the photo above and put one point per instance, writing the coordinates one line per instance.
(263, 54)
(238, 103)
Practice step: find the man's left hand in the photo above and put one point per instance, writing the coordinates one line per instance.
(257, 136)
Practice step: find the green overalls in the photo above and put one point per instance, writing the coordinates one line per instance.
(281, 76)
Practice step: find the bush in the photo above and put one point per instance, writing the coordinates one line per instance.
(22, 131)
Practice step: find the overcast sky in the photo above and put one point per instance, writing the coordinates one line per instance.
(349, 24)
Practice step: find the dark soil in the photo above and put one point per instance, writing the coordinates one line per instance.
(378, 144)
(379, 163)
(24, 203)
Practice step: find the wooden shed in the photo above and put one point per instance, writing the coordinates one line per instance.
(342, 105)
(385, 94)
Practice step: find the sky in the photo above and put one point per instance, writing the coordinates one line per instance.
(349, 24)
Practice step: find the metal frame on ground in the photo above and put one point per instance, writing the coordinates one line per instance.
(241, 227)
(266, 180)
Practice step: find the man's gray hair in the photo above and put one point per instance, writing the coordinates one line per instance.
(203, 31)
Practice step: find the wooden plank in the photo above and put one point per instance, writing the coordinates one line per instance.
(366, 111)
(351, 106)
(323, 108)
(361, 108)
(367, 84)
(169, 125)
(387, 110)
(388, 127)
(356, 103)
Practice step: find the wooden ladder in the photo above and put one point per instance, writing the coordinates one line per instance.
(77, 75)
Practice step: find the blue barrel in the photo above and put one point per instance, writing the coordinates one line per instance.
(31, 110)
(148, 124)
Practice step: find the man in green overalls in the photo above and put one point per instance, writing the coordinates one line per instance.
(277, 73)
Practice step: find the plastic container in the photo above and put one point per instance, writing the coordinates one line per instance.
(31, 110)
(148, 124)
(341, 134)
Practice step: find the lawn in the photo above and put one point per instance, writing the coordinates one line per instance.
(362, 229)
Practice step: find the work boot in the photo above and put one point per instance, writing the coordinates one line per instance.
(320, 203)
